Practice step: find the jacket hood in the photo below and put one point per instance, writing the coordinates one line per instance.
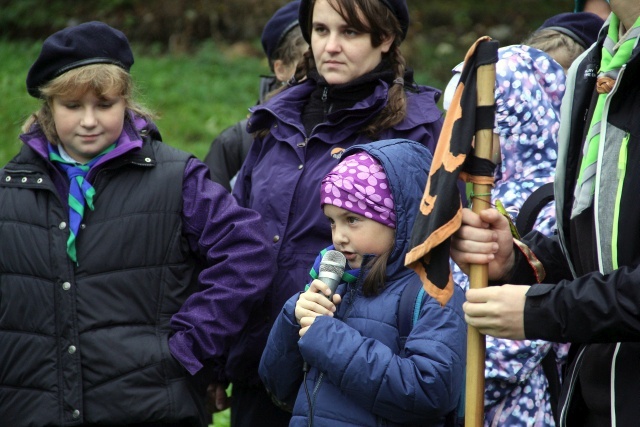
(407, 165)
(522, 70)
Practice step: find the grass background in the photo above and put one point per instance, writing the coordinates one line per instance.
(198, 61)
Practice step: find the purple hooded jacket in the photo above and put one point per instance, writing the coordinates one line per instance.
(282, 173)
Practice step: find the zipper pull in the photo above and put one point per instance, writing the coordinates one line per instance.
(622, 156)
(324, 94)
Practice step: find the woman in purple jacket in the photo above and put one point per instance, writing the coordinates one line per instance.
(351, 88)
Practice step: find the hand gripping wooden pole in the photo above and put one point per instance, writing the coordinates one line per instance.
(478, 274)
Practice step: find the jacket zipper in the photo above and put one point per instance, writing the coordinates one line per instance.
(351, 288)
(614, 421)
(314, 395)
(325, 92)
(572, 377)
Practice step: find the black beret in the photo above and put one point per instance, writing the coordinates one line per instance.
(583, 27)
(284, 20)
(88, 43)
(398, 7)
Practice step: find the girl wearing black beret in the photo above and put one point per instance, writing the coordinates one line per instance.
(110, 243)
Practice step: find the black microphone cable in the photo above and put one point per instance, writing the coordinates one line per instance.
(330, 273)
(305, 369)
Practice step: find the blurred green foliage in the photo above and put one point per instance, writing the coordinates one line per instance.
(182, 24)
(198, 61)
(440, 32)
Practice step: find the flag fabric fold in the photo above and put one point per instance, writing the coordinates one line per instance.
(441, 207)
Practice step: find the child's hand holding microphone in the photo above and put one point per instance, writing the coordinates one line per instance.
(319, 299)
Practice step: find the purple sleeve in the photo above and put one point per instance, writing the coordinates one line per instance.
(238, 267)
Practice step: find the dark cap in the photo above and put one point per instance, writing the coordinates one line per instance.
(88, 43)
(583, 27)
(398, 7)
(284, 20)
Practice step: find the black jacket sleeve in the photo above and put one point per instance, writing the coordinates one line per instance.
(227, 152)
(548, 252)
(593, 308)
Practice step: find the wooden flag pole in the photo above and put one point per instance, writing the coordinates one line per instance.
(478, 273)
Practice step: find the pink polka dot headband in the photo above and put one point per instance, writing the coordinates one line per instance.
(359, 184)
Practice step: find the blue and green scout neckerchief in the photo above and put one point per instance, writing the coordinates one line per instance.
(349, 276)
(81, 192)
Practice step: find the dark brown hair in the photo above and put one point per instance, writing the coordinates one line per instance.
(381, 24)
(376, 274)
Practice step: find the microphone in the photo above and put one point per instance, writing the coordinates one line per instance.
(331, 269)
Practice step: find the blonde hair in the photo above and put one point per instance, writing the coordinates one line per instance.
(101, 79)
(562, 48)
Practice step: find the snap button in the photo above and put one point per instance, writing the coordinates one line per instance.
(62, 225)
(66, 286)
(71, 349)
(75, 414)
(276, 238)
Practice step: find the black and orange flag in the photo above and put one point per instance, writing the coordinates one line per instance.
(441, 207)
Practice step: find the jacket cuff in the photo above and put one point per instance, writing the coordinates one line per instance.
(183, 354)
(527, 268)
(538, 323)
(528, 257)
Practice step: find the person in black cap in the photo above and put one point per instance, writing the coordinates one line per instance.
(566, 35)
(284, 46)
(126, 274)
(249, 403)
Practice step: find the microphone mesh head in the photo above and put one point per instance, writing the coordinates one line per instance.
(333, 262)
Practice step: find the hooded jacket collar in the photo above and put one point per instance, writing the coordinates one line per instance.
(406, 164)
